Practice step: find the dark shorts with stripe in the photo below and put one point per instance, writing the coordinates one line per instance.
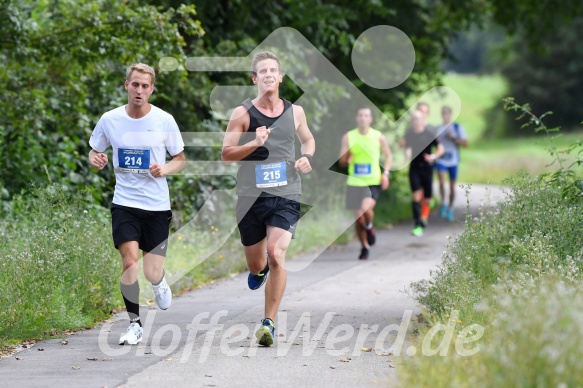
(254, 214)
(149, 228)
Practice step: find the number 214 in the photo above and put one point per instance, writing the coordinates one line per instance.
(133, 161)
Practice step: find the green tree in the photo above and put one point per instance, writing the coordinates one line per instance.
(550, 78)
(63, 65)
(63, 62)
(235, 27)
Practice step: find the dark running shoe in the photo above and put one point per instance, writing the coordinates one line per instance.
(363, 254)
(371, 236)
(256, 281)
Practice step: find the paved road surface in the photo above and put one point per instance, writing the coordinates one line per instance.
(333, 309)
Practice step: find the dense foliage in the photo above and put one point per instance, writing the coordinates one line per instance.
(63, 65)
(549, 77)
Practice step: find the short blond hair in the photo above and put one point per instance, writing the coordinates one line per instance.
(263, 55)
(142, 68)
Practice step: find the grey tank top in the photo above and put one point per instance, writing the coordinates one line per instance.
(279, 148)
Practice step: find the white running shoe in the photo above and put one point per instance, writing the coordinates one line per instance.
(163, 294)
(133, 335)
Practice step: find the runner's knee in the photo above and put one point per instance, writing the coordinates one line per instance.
(129, 262)
(276, 256)
(256, 266)
(153, 272)
(417, 195)
(369, 212)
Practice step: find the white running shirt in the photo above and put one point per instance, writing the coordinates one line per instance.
(136, 144)
(451, 157)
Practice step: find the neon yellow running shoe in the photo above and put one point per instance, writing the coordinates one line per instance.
(417, 231)
(266, 333)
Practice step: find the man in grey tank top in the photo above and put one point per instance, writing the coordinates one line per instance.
(261, 137)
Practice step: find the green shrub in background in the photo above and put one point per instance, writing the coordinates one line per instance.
(394, 204)
(517, 272)
(59, 269)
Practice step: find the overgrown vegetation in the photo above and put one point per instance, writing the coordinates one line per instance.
(59, 269)
(516, 271)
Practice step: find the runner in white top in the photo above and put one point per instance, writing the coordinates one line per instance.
(140, 135)
(452, 136)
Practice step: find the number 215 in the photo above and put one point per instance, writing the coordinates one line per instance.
(271, 175)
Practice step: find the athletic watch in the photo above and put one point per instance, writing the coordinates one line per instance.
(309, 157)
(386, 172)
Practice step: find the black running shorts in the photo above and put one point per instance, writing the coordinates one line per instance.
(355, 195)
(422, 178)
(254, 214)
(149, 228)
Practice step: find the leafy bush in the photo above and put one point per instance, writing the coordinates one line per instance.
(63, 66)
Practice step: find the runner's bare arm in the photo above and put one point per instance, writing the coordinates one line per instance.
(386, 152)
(461, 142)
(440, 151)
(176, 164)
(436, 155)
(303, 164)
(345, 154)
(388, 161)
(239, 124)
(408, 153)
(97, 159)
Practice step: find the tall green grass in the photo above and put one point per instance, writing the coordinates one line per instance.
(58, 267)
(532, 338)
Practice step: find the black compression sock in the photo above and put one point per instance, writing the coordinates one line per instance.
(131, 298)
(417, 212)
(264, 270)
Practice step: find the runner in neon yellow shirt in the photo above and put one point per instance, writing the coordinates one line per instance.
(361, 152)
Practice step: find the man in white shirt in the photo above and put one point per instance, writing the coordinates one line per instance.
(452, 136)
(140, 135)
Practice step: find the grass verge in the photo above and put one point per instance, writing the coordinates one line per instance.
(58, 267)
(516, 272)
(491, 160)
